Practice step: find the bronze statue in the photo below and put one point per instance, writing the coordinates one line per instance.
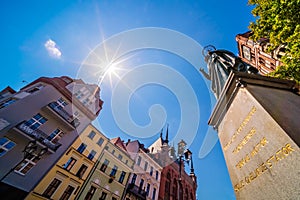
(220, 63)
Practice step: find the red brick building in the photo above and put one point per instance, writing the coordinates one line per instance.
(173, 184)
(255, 54)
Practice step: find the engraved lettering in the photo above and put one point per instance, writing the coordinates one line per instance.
(267, 165)
(241, 127)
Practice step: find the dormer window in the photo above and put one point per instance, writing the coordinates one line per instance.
(35, 88)
(246, 52)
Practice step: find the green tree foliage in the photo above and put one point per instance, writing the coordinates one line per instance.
(279, 21)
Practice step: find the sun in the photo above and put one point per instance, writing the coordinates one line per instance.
(111, 68)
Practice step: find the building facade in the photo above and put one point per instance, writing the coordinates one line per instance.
(110, 176)
(144, 181)
(37, 126)
(255, 53)
(175, 183)
(66, 178)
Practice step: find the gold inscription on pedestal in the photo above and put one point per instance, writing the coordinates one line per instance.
(244, 141)
(267, 165)
(241, 127)
(250, 155)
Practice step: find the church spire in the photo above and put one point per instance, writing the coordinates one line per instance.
(161, 132)
(167, 135)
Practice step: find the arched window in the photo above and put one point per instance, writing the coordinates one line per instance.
(192, 196)
(175, 190)
(186, 193)
(167, 186)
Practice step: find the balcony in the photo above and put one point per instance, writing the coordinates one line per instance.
(62, 115)
(37, 135)
(137, 191)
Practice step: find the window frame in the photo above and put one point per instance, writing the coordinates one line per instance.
(122, 177)
(81, 148)
(100, 143)
(67, 193)
(53, 185)
(69, 164)
(91, 155)
(81, 171)
(3, 146)
(104, 165)
(36, 121)
(57, 133)
(113, 171)
(26, 165)
(103, 196)
(92, 134)
(89, 195)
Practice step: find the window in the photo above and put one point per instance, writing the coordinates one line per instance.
(27, 164)
(153, 193)
(67, 193)
(113, 171)
(90, 193)
(104, 165)
(51, 188)
(113, 151)
(156, 175)
(81, 148)
(76, 114)
(122, 177)
(55, 136)
(5, 145)
(92, 155)
(7, 102)
(81, 171)
(133, 179)
(36, 121)
(139, 161)
(167, 186)
(113, 198)
(146, 166)
(120, 157)
(68, 166)
(246, 52)
(80, 93)
(103, 196)
(186, 193)
(61, 103)
(100, 141)
(148, 189)
(151, 171)
(175, 191)
(34, 89)
(92, 135)
(141, 184)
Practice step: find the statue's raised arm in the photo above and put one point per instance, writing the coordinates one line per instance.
(219, 64)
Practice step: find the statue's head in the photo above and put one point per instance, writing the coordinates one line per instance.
(207, 52)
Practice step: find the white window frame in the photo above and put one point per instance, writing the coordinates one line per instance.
(59, 133)
(3, 146)
(36, 121)
(25, 163)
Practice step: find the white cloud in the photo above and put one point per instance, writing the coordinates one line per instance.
(52, 49)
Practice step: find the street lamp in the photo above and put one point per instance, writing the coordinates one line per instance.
(28, 151)
(185, 155)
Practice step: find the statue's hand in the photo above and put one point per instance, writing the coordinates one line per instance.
(204, 73)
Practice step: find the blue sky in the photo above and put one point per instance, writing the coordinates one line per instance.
(74, 28)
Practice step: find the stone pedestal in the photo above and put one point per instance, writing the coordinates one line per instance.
(258, 123)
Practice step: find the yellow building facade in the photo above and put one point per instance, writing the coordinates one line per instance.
(66, 178)
(111, 174)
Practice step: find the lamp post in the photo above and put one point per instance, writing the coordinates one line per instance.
(28, 151)
(185, 155)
